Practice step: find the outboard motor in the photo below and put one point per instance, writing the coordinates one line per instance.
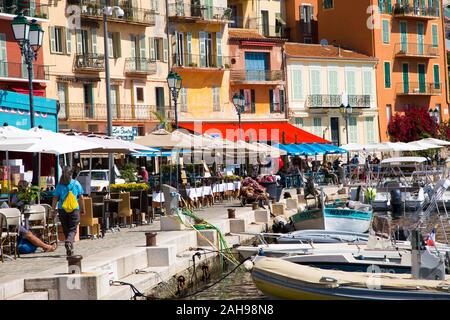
(424, 264)
(396, 203)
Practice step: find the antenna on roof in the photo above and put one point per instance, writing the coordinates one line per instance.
(324, 42)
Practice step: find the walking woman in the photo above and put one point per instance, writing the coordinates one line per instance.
(69, 220)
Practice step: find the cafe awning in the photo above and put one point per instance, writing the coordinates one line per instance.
(262, 131)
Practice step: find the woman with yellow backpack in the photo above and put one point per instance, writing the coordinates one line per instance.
(69, 198)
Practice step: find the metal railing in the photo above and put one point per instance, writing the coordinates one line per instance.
(97, 111)
(419, 88)
(140, 65)
(94, 9)
(256, 75)
(29, 9)
(197, 11)
(416, 49)
(201, 61)
(410, 10)
(19, 71)
(335, 101)
(89, 61)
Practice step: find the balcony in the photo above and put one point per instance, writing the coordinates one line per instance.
(330, 101)
(271, 31)
(205, 62)
(90, 62)
(94, 10)
(197, 13)
(139, 66)
(18, 71)
(14, 7)
(415, 50)
(97, 111)
(417, 13)
(419, 89)
(257, 76)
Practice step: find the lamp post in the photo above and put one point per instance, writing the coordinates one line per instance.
(29, 37)
(346, 111)
(239, 103)
(174, 82)
(108, 11)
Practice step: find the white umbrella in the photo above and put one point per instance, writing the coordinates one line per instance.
(437, 142)
(15, 139)
(353, 147)
(423, 145)
(113, 145)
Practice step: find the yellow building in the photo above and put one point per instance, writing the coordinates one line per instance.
(138, 59)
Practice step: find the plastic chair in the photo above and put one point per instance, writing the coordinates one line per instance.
(88, 221)
(10, 220)
(124, 210)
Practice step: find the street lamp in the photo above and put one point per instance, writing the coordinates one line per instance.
(29, 37)
(174, 82)
(346, 111)
(108, 11)
(239, 103)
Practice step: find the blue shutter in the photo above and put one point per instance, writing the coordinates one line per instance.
(387, 75)
(437, 84)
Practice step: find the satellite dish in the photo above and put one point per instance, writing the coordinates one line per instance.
(324, 42)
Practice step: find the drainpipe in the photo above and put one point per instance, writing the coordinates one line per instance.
(441, 11)
(169, 50)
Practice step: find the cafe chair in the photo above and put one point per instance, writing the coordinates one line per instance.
(10, 220)
(51, 224)
(37, 221)
(124, 211)
(88, 221)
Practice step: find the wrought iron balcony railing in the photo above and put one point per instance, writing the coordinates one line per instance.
(97, 111)
(201, 61)
(417, 12)
(89, 62)
(140, 66)
(407, 49)
(94, 10)
(16, 70)
(28, 8)
(257, 75)
(184, 10)
(419, 88)
(321, 101)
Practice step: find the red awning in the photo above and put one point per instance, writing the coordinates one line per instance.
(36, 92)
(276, 132)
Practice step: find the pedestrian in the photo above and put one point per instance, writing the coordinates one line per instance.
(69, 220)
(144, 174)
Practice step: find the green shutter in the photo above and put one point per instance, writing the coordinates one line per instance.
(350, 82)
(51, 31)
(151, 42)
(405, 70)
(389, 6)
(333, 87)
(189, 48)
(421, 71)
(165, 50)
(387, 75)
(403, 36)
(386, 36)
(420, 35)
(271, 100)
(437, 84)
(297, 92)
(317, 126)
(370, 134)
(434, 31)
(68, 41)
(352, 130)
(367, 83)
(3, 56)
(219, 49)
(315, 82)
(94, 40)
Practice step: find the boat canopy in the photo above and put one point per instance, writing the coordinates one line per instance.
(404, 160)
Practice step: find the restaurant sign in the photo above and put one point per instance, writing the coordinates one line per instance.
(125, 133)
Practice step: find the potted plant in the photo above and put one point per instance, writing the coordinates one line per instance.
(28, 196)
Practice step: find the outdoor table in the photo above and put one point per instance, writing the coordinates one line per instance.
(229, 186)
(105, 222)
(207, 191)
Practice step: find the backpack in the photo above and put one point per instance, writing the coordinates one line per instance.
(70, 202)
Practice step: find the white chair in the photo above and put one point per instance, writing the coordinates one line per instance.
(37, 215)
(10, 220)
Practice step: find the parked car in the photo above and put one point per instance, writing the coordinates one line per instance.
(99, 179)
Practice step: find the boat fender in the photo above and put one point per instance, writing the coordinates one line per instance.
(261, 252)
(248, 265)
(331, 280)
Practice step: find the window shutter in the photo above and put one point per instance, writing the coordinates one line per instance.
(94, 40)
(219, 48)
(434, 30)
(317, 126)
(202, 39)
(386, 38)
(281, 95)
(133, 46)
(165, 50)
(142, 47)
(51, 31)
(79, 42)
(117, 45)
(333, 87)
(110, 45)
(350, 77)
(370, 138)
(389, 6)
(367, 83)
(387, 75)
(216, 99)
(271, 101)
(352, 130)
(151, 44)
(297, 85)
(3, 56)
(302, 13)
(68, 36)
(189, 47)
(315, 82)
(253, 101)
(311, 9)
(437, 84)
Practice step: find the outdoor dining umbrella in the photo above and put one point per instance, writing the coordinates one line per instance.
(437, 142)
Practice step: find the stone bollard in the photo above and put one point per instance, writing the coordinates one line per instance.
(150, 238)
(255, 206)
(231, 213)
(74, 264)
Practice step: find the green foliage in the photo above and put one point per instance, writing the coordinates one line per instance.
(129, 172)
(128, 187)
(28, 195)
(164, 123)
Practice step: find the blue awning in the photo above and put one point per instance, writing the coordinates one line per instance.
(310, 149)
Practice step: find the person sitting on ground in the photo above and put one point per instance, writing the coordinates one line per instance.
(35, 241)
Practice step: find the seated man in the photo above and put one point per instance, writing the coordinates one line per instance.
(27, 234)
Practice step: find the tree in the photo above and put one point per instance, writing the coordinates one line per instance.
(414, 124)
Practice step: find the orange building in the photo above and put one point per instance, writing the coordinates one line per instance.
(301, 20)
(407, 38)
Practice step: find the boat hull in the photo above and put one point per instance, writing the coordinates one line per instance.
(337, 219)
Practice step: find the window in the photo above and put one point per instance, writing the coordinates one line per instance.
(62, 99)
(315, 82)
(333, 84)
(276, 98)
(350, 82)
(183, 100)
(387, 75)
(140, 95)
(386, 32)
(159, 94)
(437, 83)
(307, 40)
(388, 113)
(328, 4)
(385, 6)
(158, 49)
(317, 127)
(114, 46)
(367, 78)
(249, 95)
(370, 134)
(299, 122)
(306, 13)
(434, 32)
(297, 84)
(216, 98)
(352, 130)
(57, 38)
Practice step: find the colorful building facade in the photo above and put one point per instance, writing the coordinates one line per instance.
(407, 38)
(320, 79)
(301, 20)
